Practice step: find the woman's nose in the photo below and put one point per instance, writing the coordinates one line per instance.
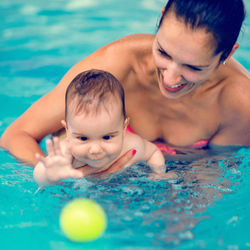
(172, 75)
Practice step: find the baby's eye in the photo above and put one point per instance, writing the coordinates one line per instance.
(107, 137)
(83, 138)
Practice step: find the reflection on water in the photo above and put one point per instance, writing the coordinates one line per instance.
(158, 212)
(141, 211)
(207, 206)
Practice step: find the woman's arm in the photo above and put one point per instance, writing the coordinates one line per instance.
(44, 117)
(21, 138)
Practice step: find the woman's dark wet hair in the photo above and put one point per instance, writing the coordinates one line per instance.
(223, 18)
(92, 89)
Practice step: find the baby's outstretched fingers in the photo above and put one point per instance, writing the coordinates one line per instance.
(67, 151)
(50, 148)
(40, 158)
(57, 146)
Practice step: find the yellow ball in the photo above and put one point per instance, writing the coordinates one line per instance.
(83, 220)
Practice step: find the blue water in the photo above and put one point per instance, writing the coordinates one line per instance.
(208, 207)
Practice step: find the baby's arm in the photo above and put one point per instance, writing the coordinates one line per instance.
(149, 152)
(157, 162)
(146, 151)
(55, 167)
(155, 157)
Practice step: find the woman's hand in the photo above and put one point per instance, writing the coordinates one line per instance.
(113, 168)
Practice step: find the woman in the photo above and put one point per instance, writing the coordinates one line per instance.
(181, 85)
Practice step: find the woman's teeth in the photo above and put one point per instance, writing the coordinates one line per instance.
(175, 86)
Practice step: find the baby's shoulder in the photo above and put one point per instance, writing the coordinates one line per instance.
(143, 147)
(132, 140)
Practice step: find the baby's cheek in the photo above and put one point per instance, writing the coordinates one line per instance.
(114, 149)
(78, 150)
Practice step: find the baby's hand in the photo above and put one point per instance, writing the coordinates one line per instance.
(163, 176)
(58, 164)
(159, 173)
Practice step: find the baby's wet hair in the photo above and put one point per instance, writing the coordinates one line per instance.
(92, 89)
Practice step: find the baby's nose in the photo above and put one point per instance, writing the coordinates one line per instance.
(95, 148)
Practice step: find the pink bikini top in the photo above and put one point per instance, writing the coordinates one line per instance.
(166, 149)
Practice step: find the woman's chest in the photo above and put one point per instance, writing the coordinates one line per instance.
(175, 123)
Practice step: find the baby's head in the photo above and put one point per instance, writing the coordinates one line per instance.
(95, 117)
(91, 91)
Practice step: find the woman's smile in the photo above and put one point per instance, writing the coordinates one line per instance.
(174, 90)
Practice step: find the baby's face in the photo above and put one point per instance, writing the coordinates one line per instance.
(96, 139)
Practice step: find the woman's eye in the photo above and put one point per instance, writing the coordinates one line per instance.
(107, 137)
(193, 68)
(83, 138)
(163, 53)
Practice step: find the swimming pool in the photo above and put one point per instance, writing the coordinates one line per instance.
(208, 207)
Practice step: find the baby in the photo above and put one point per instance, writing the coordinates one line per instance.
(96, 132)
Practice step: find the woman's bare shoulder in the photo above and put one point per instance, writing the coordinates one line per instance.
(131, 45)
(239, 69)
(135, 39)
(235, 94)
(117, 57)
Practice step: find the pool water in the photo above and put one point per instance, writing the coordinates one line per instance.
(208, 207)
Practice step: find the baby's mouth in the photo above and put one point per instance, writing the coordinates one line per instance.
(97, 163)
(96, 159)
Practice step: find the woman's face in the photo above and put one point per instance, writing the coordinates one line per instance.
(184, 57)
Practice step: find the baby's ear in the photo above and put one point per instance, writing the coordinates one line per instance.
(64, 124)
